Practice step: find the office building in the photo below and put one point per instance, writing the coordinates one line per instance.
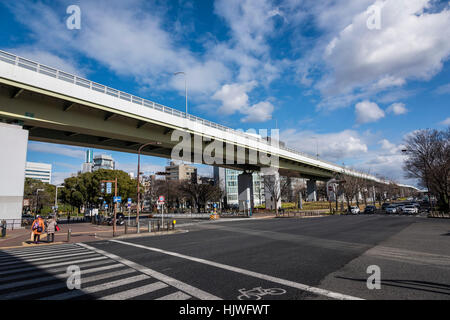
(39, 171)
(88, 164)
(103, 161)
(180, 172)
(227, 179)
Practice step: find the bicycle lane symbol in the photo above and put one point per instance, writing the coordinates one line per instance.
(258, 292)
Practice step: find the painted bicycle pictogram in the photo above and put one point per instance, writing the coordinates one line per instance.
(258, 292)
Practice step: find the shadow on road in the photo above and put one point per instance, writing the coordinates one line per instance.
(21, 279)
(410, 284)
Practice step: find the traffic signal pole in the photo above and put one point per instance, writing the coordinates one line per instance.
(115, 203)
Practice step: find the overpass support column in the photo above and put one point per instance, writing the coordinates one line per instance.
(271, 178)
(13, 146)
(311, 189)
(245, 192)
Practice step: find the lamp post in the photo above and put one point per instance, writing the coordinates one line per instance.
(138, 207)
(56, 197)
(37, 198)
(185, 88)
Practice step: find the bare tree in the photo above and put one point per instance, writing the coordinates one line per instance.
(350, 188)
(429, 161)
(276, 187)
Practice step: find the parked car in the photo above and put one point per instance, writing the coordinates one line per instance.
(385, 205)
(393, 208)
(353, 210)
(410, 209)
(370, 209)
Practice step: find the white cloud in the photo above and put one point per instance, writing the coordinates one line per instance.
(234, 98)
(72, 152)
(367, 111)
(358, 63)
(444, 89)
(397, 109)
(446, 122)
(331, 146)
(259, 112)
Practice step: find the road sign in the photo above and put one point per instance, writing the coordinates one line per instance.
(215, 205)
(129, 202)
(161, 199)
(118, 199)
(106, 206)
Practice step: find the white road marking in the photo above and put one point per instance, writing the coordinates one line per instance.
(60, 285)
(136, 292)
(25, 261)
(35, 249)
(39, 279)
(37, 254)
(195, 292)
(37, 267)
(38, 272)
(97, 288)
(261, 276)
(175, 296)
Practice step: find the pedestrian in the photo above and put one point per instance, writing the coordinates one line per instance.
(51, 228)
(38, 227)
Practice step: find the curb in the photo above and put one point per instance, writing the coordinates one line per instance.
(143, 235)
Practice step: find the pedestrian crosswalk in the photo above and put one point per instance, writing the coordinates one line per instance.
(41, 273)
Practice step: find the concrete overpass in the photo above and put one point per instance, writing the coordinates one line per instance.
(58, 107)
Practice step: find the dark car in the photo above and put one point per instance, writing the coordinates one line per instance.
(120, 219)
(385, 205)
(370, 209)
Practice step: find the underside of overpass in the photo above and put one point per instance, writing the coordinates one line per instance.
(54, 118)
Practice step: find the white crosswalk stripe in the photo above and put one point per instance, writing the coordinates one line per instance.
(41, 273)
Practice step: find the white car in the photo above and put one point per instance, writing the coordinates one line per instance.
(354, 210)
(410, 210)
(392, 209)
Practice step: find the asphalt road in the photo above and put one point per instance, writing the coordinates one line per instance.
(314, 258)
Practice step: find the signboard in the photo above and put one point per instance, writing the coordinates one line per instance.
(106, 206)
(161, 199)
(117, 199)
(129, 202)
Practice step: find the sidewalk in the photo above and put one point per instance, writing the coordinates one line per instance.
(80, 232)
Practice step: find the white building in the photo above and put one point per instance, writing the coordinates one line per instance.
(39, 171)
(104, 161)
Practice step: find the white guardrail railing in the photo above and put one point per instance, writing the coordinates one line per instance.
(64, 76)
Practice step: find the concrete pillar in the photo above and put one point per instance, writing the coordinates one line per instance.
(311, 189)
(13, 146)
(271, 184)
(245, 192)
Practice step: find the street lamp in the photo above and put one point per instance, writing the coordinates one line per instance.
(37, 198)
(56, 198)
(139, 180)
(185, 88)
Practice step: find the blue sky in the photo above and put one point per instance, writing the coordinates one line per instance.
(349, 78)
